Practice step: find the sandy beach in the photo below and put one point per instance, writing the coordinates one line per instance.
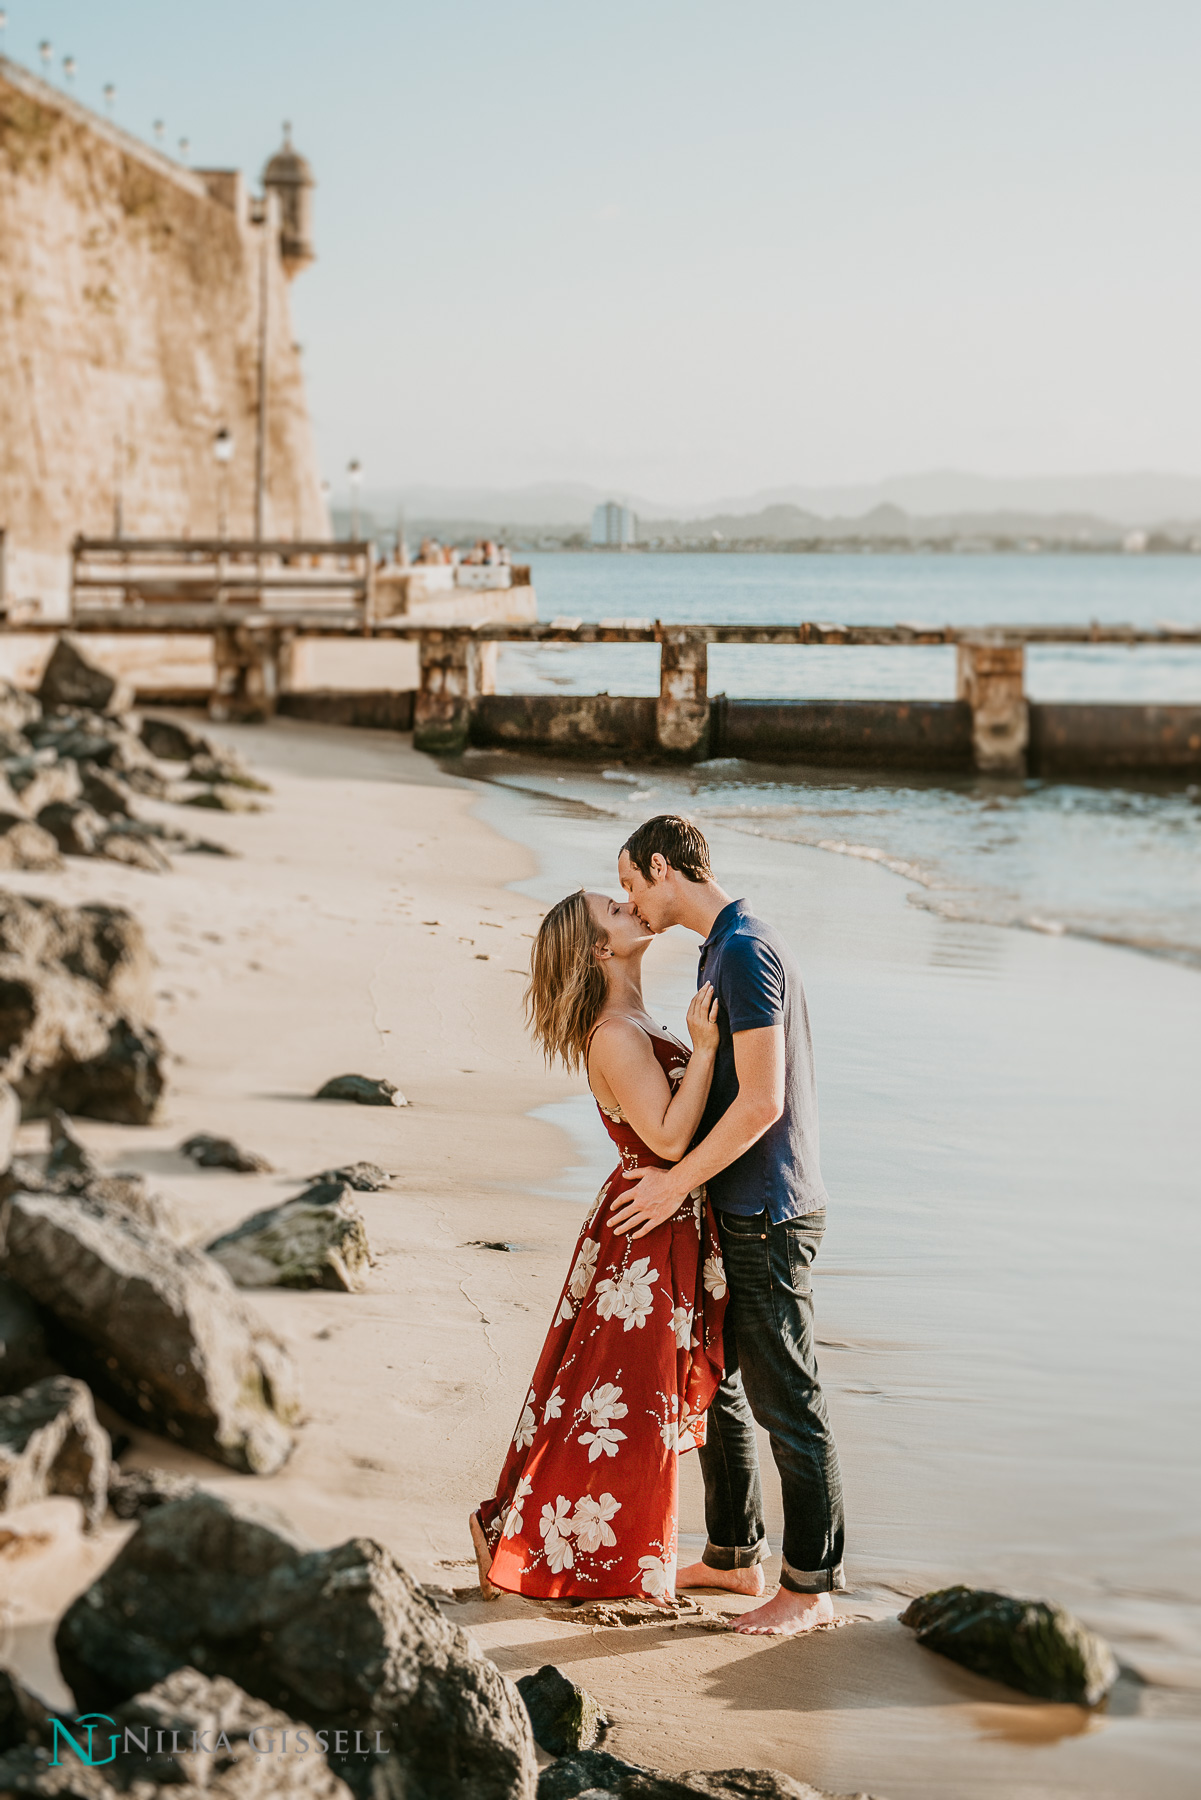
(374, 921)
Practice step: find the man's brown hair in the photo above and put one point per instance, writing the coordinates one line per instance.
(676, 840)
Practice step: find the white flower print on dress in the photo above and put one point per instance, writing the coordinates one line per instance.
(556, 1527)
(523, 1437)
(631, 1296)
(565, 1312)
(638, 1294)
(584, 1270)
(553, 1408)
(681, 1324)
(604, 1404)
(715, 1276)
(513, 1519)
(590, 1522)
(604, 1440)
(657, 1576)
(670, 1433)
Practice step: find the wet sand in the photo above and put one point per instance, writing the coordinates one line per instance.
(351, 935)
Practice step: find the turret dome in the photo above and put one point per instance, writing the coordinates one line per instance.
(289, 176)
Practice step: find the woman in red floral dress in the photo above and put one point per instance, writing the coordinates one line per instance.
(586, 1506)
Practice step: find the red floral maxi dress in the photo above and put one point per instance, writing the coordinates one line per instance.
(587, 1502)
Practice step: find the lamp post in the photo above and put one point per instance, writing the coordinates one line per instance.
(110, 95)
(69, 70)
(223, 450)
(46, 52)
(355, 471)
(158, 128)
(3, 28)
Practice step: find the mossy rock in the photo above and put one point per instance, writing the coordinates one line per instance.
(1030, 1645)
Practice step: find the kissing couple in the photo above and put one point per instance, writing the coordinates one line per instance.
(687, 1314)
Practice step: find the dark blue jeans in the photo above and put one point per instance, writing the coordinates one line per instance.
(771, 1377)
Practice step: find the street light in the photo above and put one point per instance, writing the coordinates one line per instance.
(355, 471)
(46, 52)
(158, 128)
(3, 28)
(223, 450)
(184, 147)
(69, 70)
(110, 95)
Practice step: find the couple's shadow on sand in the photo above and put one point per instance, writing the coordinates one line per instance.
(867, 1664)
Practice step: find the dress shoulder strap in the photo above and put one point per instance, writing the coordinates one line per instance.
(603, 1020)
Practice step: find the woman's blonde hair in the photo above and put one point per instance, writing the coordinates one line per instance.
(567, 987)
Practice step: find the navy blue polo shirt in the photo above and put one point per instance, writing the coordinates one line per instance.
(756, 979)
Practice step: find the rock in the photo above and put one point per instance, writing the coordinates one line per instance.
(132, 1493)
(24, 1353)
(223, 767)
(106, 793)
(70, 979)
(67, 1153)
(123, 1082)
(301, 1244)
(73, 679)
(593, 1773)
(77, 829)
(172, 742)
(367, 1177)
(222, 1153)
(188, 1702)
(50, 1443)
(1028, 1644)
(128, 1192)
(328, 1193)
(157, 1329)
(239, 1753)
(23, 1717)
(341, 1638)
(24, 845)
(57, 784)
(17, 708)
(10, 1118)
(364, 1090)
(102, 945)
(134, 852)
(224, 799)
(564, 1717)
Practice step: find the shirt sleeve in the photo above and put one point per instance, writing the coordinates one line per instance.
(752, 984)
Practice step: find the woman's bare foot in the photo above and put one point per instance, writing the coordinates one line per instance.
(483, 1558)
(787, 1614)
(734, 1581)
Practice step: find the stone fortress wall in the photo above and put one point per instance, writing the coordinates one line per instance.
(129, 316)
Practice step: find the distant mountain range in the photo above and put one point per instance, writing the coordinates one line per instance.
(929, 504)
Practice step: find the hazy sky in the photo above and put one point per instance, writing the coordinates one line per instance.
(695, 249)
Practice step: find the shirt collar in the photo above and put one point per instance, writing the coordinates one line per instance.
(725, 922)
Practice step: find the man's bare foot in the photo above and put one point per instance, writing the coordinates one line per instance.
(787, 1614)
(734, 1581)
(483, 1559)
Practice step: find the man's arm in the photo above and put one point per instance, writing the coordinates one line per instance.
(759, 1102)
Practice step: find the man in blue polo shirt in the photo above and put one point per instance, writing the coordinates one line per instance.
(757, 1149)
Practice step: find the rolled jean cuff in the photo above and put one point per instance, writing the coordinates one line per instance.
(717, 1556)
(811, 1581)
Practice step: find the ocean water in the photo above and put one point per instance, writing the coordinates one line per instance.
(1118, 861)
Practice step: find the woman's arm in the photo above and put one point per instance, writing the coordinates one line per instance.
(622, 1061)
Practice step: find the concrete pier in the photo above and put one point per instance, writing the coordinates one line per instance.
(991, 727)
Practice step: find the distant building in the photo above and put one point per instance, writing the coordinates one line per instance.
(613, 523)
